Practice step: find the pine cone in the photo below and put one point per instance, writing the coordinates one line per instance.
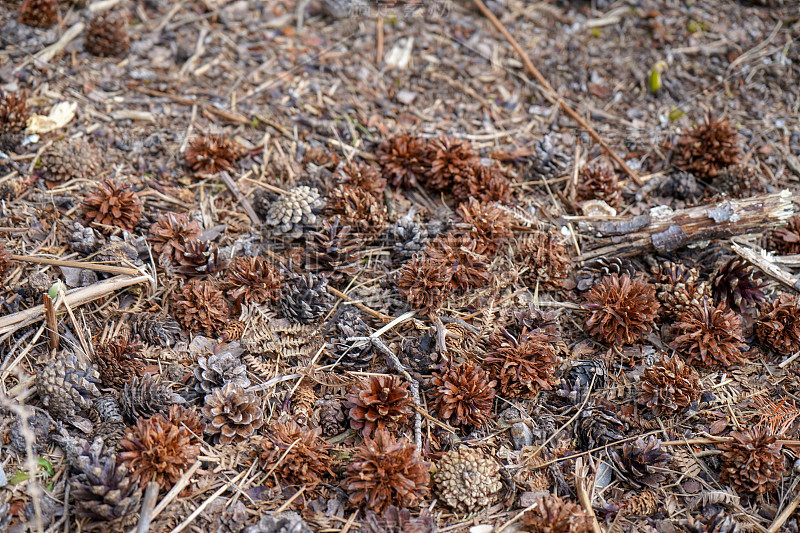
(752, 462)
(253, 280)
(113, 204)
(679, 288)
(335, 250)
(638, 462)
(201, 306)
(362, 210)
(681, 186)
(523, 366)
(740, 181)
(66, 386)
(451, 164)
(361, 175)
(464, 258)
(377, 403)
(536, 320)
(485, 184)
(331, 417)
(597, 269)
(487, 222)
(107, 35)
(285, 522)
(117, 360)
(110, 424)
(38, 13)
(169, 236)
(737, 284)
(709, 335)
(407, 236)
(467, 480)
(40, 426)
(103, 489)
(233, 415)
(597, 427)
(160, 448)
(462, 394)
(599, 182)
(146, 396)
(668, 386)
(210, 154)
(350, 355)
(305, 298)
(425, 283)
(778, 326)
(293, 213)
(156, 330)
(83, 240)
(640, 503)
(70, 160)
(386, 472)
(708, 148)
(718, 522)
(621, 310)
(14, 112)
(319, 156)
(219, 369)
(5, 260)
(405, 160)
(551, 514)
(199, 258)
(545, 258)
(394, 520)
(786, 240)
(299, 456)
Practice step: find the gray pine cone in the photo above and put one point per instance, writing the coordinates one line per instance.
(293, 213)
(346, 354)
(66, 386)
(103, 490)
(217, 370)
(110, 424)
(40, 423)
(146, 396)
(285, 522)
(82, 239)
(157, 331)
(305, 298)
(602, 267)
(407, 236)
(331, 416)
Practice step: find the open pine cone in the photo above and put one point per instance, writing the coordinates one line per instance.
(394, 520)
(678, 288)
(160, 448)
(364, 211)
(386, 472)
(752, 462)
(117, 360)
(462, 394)
(405, 160)
(424, 283)
(305, 299)
(484, 183)
(113, 205)
(778, 326)
(293, 213)
(363, 176)
(219, 369)
(299, 455)
(66, 386)
(147, 395)
(638, 462)
(452, 162)
(201, 306)
(622, 310)
(233, 415)
(170, 233)
(464, 258)
(487, 223)
(599, 182)
(107, 35)
(738, 285)
(522, 366)
(253, 280)
(668, 386)
(199, 258)
(544, 256)
(38, 13)
(551, 514)
(335, 250)
(468, 480)
(14, 112)
(708, 148)
(155, 330)
(209, 154)
(378, 402)
(709, 335)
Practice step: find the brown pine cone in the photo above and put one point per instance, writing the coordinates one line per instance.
(639, 462)
(14, 112)
(107, 35)
(452, 162)
(544, 256)
(622, 310)
(219, 369)
(145, 396)
(160, 448)
(67, 160)
(599, 182)
(394, 520)
(117, 360)
(66, 386)
(199, 258)
(424, 283)
(405, 160)
(523, 366)
(551, 514)
(201, 307)
(299, 456)
(209, 154)
(738, 285)
(708, 148)
(361, 175)
(331, 417)
(709, 335)
(293, 213)
(364, 211)
(485, 184)
(103, 489)
(170, 233)
(640, 503)
(38, 13)
(378, 402)
(156, 330)
(487, 223)
(386, 472)
(678, 288)
(778, 326)
(113, 205)
(253, 280)
(462, 394)
(467, 480)
(598, 427)
(719, 522)
(752, 462)
(233, 415)
(668, 385)
(335, 250)
(463, 257)
(786, 240)
(5, 260)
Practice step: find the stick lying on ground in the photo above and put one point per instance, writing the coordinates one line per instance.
(665, 230)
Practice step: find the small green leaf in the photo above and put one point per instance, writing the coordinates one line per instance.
(18, 478)
(53, 292)
(655, 81)
(675, 113)
(45, 464)
(596, 33)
